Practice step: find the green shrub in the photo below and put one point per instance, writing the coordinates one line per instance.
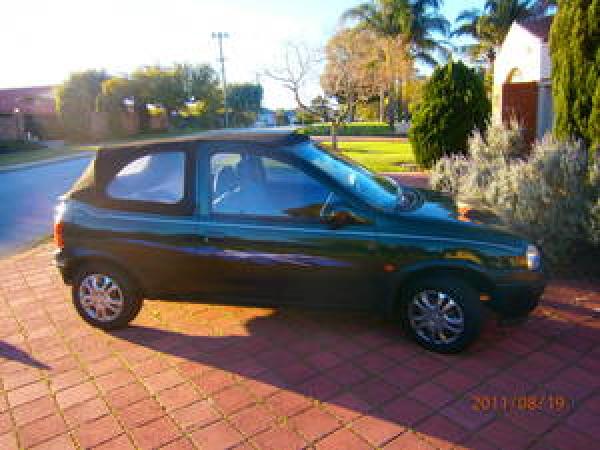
(76, 101)
(10, 146)
(593, 222)
(349, 129)
(593, 225)
(454, 104)
(575, 48)
(551, 195)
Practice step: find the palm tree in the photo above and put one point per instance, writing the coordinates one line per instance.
(490, 26)
(406, 29)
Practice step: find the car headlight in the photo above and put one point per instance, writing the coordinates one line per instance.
(534, 259)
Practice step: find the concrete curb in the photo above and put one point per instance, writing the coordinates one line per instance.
(45, 162)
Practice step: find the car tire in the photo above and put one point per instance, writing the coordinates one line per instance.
(105, 297)
(429, 305)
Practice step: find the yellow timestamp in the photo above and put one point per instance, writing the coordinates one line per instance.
(552, 402)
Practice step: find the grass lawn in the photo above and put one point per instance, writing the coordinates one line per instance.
(8, 157)
(349, 129)
(380, 156)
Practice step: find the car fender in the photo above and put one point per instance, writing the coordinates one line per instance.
(77, 257)
(403, 276)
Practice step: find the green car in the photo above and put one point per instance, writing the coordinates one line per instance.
(272, 218)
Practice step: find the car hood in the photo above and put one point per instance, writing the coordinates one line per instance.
(439, 215)
(442, 206)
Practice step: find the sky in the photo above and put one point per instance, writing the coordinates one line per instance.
(43, 41)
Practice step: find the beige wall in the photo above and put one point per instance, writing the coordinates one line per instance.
(521, 58)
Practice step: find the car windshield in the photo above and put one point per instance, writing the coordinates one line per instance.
(376, 190)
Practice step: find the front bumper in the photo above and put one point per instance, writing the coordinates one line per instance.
(519, 296)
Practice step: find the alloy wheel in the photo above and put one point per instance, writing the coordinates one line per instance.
(101, 297)
(436, 317)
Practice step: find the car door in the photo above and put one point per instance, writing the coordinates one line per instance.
(264, 232)
(146, 221)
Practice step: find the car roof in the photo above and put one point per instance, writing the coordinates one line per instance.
(261, 136)
(110, 158)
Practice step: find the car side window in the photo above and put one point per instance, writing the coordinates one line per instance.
(156, 178)
(251, 185)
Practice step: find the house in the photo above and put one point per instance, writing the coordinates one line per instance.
(522, 78)
(28, 111)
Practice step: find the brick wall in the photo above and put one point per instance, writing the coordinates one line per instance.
(158, 122)
(11, 127)
(100, 125)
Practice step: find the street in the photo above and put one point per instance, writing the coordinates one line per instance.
(28, 197)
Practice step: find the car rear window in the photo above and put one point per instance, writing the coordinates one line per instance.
(156, 178)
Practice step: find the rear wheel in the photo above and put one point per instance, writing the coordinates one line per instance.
(442, 314)
(105, 297)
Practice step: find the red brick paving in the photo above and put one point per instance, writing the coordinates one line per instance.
(211, 376)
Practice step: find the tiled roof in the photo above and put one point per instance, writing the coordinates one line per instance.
(30, 100)
(538, 27)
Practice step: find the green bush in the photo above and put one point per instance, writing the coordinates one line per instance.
(76, 101)
(551, 195)
(575, 48)
(454, 104)
(349, 129)
(10, 146)
(593, 222)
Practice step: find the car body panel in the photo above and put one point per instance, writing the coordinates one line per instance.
(265, 260)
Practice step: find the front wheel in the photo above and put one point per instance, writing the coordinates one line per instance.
(442, 314)
(104, 297)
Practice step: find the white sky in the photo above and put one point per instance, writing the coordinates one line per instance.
(42, 41)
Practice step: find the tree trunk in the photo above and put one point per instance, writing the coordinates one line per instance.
(391, 107)
(381, 104)
(400, 99)
(491, 56)
(334, 126)
(351, 107)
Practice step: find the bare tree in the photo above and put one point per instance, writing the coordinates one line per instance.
(351, 70)
(298, 65)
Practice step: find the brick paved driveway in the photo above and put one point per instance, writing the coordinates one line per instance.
(190, 375)
(209, 376)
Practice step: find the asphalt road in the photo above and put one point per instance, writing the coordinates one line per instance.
(28, 196)
(27, 200)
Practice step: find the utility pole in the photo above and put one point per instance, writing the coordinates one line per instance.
(220, 36)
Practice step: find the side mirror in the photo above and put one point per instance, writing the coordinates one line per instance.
(341, 217)
(338, 219)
